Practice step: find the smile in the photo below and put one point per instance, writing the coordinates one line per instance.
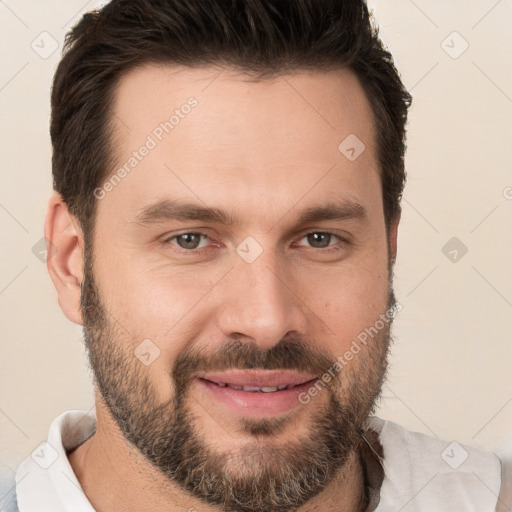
(256, 389)
(255, 393)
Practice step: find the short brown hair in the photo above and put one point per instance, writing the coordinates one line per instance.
(261, 37)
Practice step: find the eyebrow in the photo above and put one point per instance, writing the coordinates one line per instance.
(174, 210)
(166, 210)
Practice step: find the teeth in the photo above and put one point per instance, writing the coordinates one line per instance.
(268, 389)
(264, 389)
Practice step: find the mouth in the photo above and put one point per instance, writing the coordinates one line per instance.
(257, 389)
(256, 392)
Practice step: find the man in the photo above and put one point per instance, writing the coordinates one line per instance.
(224, 225)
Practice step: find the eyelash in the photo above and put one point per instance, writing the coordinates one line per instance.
(180, 250)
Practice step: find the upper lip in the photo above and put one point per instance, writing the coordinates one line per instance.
(261, 378)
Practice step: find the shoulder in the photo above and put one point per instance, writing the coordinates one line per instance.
(425, 473)
(8, 501)
(44, 481)
(505, 497)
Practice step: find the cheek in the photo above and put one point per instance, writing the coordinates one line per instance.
(162, 304)
(351, 301)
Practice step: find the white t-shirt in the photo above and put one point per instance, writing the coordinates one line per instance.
(421, 473)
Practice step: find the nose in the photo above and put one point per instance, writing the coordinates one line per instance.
(261, 303)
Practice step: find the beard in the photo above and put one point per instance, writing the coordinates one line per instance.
(258, 476)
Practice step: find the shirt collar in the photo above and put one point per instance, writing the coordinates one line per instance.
(45, 481)
(372, 460)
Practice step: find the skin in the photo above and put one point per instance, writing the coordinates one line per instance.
(263, 151)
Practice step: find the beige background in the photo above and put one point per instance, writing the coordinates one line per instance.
(450, 369)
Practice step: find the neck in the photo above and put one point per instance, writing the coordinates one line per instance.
(116, 477)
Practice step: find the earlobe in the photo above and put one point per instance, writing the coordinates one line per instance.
(65, 258)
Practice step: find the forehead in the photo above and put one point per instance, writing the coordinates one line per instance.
(211, 130)
(319, 107)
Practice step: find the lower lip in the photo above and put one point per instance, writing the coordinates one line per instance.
(256, 403)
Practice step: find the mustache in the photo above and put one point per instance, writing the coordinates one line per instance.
(288, 354)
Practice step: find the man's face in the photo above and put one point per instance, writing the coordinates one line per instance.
(174, 305)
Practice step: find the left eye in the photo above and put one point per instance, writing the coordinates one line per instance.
(320, 238)
(188, 240)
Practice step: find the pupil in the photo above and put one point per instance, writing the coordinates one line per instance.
(324, 239)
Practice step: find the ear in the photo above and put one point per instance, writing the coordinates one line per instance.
(65, 256)
(393, 236)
